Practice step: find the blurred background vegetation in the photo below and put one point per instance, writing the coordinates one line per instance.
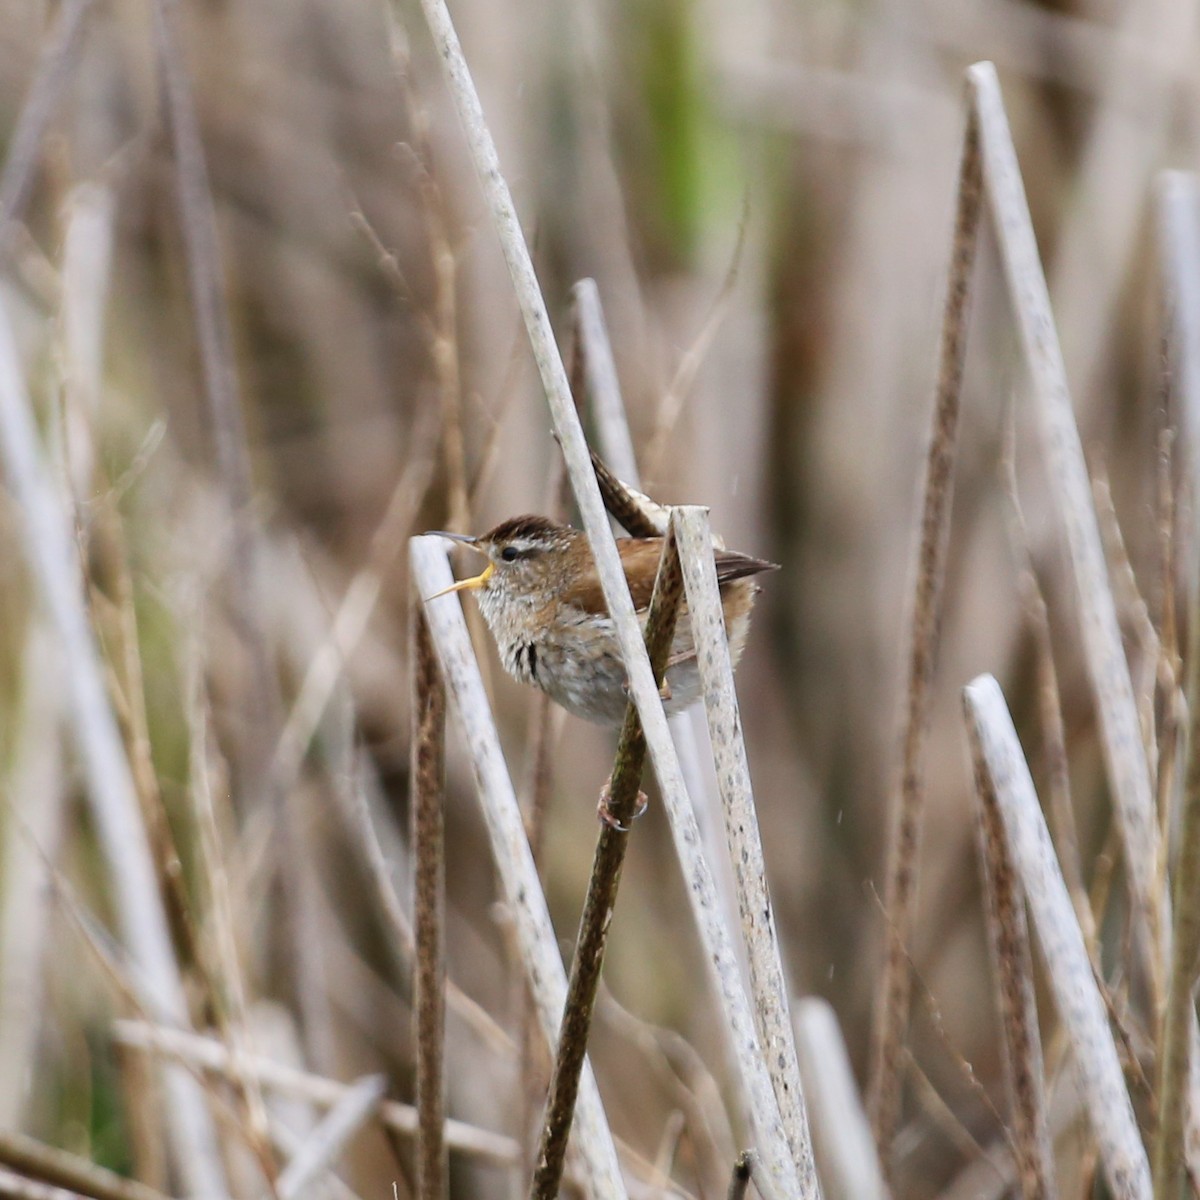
(763, 192)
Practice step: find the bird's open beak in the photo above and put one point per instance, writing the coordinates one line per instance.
(476, 581)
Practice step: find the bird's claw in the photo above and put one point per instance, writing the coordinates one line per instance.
(664, 690)
(606, 814)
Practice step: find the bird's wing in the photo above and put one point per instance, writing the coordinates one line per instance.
(639, 557)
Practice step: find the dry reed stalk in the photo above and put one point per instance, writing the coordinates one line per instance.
(1178, 1135)
(714, 935)
(1108, 670)
(1008, 940)
(429, 907)
(209, 1055)
(621, 802)
(1178, 206)
(1178, 1051)
(510, 848)
(326, 1140)
(842, 1139)
(58, 58)
(35, 802)
(927, 580)
(110, 785)
(63, 1169)
(1080, 1005)
(768, 984)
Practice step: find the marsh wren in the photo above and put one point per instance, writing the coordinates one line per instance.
(540, 595)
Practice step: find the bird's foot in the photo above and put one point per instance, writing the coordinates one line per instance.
(606, 814)
(664, 690)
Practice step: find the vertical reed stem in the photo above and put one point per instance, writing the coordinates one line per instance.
(891, 1017)
(428, 760)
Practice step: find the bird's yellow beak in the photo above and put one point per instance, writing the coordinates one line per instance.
(463, 585)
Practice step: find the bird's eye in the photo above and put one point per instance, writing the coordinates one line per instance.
(509, 554)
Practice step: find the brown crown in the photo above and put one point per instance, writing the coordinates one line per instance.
(522, 527)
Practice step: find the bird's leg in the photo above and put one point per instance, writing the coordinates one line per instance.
(605, 813)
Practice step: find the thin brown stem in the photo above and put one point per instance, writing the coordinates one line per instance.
(892, 1011)
(743, 1173)
(428, 770)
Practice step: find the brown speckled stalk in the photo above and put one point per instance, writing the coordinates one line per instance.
(1080, 1005)
(928, 574)
(429, 884)
(768, 986)
(602, 891)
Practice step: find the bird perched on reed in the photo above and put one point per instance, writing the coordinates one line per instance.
(541, 597)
